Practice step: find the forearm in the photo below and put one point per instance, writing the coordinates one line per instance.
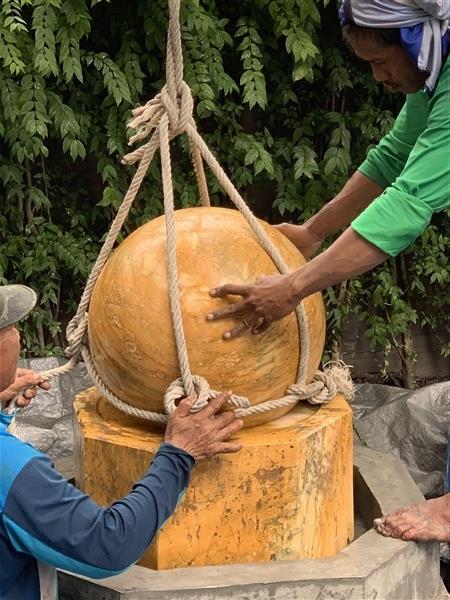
(355, 196)
(152, 500)
(123, 531)
(349, 256)
(61, 526)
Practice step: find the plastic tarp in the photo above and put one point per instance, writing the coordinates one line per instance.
(413, 425)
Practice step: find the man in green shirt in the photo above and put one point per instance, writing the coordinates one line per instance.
(388, 202)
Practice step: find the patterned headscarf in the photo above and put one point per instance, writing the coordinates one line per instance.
(423, 24)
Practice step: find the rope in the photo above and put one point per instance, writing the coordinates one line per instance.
(162, 119)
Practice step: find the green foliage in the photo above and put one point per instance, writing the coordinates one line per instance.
(288, 110)
(252, 79)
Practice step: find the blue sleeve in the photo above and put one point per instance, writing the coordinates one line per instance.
(50, 519)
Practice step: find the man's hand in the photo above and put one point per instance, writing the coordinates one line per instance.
(24, 387)
(203, 434)
(306, 241)
(269, 299)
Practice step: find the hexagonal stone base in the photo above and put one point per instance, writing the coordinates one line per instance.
(288, 494)
(371, 567)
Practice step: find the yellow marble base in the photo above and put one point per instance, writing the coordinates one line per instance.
(287, 495)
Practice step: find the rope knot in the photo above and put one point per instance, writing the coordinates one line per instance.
(334, 379)
(178, 108)
(176, 391)
(204, 393)
(76, 334)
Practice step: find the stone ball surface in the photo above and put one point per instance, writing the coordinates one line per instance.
(130, 328)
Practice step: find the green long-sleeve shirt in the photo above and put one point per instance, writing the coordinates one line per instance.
(413, 163)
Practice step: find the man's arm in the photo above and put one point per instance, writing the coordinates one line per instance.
(355, 196)
(386, 161)
(396, 218)
(390, 223)
(275, 296)
(381, 168)
(348, 257)
(49, 519)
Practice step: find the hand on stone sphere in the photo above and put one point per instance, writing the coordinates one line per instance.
(306, 241)
(269, 299)
(205, 433)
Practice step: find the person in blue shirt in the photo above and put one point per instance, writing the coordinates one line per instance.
(46, 523)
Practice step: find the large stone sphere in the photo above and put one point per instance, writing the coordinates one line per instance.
(130, 328)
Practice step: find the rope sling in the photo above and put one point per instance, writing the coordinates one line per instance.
(165, 117)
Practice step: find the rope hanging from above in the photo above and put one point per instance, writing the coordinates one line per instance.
(163, 118)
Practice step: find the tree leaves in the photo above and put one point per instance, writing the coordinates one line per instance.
(255, 154)
(305, 162)
(12, 18)
(113, 78)
(296, 22)
(205, 39)
(286, 108)
(44, 24)
(252, 79)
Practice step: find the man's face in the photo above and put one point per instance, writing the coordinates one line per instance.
(390, 65)
(9, 355)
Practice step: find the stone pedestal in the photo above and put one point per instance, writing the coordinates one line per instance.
(370, 567)
(287, 495)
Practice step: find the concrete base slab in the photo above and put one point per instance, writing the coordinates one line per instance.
(372, 567)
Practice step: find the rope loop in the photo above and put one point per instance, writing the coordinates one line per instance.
(176, 391)
(76, 335)
(334, 379)
(163, 118)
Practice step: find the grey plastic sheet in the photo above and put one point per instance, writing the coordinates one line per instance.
(413, 425)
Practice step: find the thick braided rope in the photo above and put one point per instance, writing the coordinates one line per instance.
(174, 295)
(174, 78)
(166, 116)
(318, 390)
(77, 328)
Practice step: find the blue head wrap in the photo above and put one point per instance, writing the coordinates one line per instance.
(423, 24)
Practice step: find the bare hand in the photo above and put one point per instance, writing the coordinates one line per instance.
(203, 434)
(302, 237)
(269, 299)
(24, 387)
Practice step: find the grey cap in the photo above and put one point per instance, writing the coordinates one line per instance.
(16, 301)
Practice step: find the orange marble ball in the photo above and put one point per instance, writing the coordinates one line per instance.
(130, 328)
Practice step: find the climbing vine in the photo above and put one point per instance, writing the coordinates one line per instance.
(287, 109)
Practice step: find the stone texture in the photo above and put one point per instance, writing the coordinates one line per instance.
(371, 568)
(130, 325)
(419, 570)
(286, 495)
(78, 589)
